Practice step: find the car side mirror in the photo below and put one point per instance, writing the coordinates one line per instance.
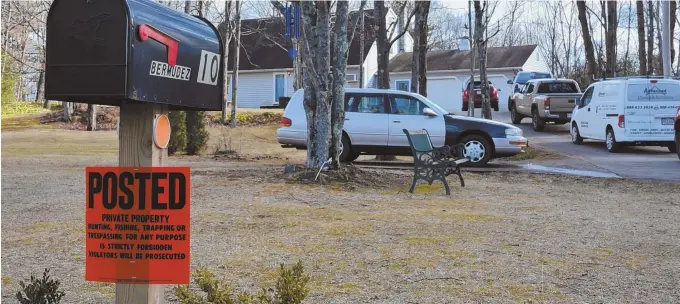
(429, 112)
(579, 102)
(509, 82)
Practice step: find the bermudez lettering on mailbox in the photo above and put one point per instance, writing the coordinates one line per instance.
(137, 225)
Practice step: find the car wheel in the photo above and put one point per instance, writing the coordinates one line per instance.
(465, 106)
(514, 116)
(575, 135)
(536, 122)
(612, 145)
(346, 150)
(477, 149)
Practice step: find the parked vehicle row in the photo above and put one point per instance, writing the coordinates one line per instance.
(375, 119)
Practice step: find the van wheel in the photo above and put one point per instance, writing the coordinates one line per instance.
(575, 135)
(612, 145)
(346, 154)
(477, 149)
(673, 148)
(514, 116)
(536, 121)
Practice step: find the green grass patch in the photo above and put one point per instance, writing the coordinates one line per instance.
(18, 108)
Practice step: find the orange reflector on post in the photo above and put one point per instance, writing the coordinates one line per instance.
(161, 131)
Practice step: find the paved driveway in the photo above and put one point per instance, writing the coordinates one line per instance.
(633, 162)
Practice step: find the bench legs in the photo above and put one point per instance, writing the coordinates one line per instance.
(417, 176)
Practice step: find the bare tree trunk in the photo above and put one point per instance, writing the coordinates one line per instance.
(612, 25)
(642, 54)
(650, 38)
(419, 66)
(226, 36)
(471, 98)
(659, 33)
(39, 88)
(339, 64)
(68, 110)
(383, 75)
(234, 74)
(362, 45)
(626, 63)
(673, 17)
(187, 7)
(480, 42)
(91, 117)
(587, 40)
(317, 80)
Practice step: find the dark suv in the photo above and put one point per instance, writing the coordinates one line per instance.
(477, 91)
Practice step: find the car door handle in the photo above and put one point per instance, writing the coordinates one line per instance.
(396, 121)
(588, 109)
(346, 119)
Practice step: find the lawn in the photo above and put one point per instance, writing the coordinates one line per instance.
(505, 238)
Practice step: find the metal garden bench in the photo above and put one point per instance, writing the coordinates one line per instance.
(432, 163)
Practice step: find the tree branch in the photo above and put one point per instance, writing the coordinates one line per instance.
(408, 22)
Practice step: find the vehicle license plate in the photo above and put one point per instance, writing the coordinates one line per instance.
(667, 121)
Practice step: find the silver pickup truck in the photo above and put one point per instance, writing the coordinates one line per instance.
(544, 100)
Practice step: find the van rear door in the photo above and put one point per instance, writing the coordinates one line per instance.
(664, 99)
(637, 110)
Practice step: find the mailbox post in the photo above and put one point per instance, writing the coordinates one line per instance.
(143, 57)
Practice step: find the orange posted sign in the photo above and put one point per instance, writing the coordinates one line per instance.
(137, 225)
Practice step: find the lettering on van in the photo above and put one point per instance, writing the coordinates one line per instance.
(162, 69)
(655, 91)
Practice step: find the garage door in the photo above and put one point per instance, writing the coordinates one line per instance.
(445, 92)
(501, 83)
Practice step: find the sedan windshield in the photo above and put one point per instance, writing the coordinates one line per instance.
(433, 105)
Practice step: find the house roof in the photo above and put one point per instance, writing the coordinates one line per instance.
(263, 43)
(497, 57)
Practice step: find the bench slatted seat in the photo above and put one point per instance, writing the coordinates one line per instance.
(430, 163)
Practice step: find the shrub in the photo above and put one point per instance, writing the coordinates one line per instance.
(40, 291)
(178, 131)
(10, 80)
(197, 135)
(291, 288)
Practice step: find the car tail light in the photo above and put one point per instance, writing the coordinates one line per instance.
(622, 123)
(286, 122)
(654, 81)
(677, 116)
(466, 94)
(546, 103)
(494, 93)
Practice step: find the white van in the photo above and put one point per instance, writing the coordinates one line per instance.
(627, 111)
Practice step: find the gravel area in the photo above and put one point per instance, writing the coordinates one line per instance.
(504, 238)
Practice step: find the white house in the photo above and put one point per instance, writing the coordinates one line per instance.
(449, 70)
(266, 70)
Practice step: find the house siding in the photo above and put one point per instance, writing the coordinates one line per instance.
(255, 89)
(446, 88)
(535, 63)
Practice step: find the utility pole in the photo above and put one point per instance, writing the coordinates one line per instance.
(666, 36)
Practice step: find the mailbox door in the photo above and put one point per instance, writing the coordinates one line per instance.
(86, 51)
(176, 59)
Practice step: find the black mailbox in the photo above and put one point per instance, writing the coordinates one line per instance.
(107, 51)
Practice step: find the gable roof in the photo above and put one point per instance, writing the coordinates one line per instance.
(263, 43)
(497, 57)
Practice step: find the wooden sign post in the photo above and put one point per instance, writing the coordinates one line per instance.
(136, 149)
